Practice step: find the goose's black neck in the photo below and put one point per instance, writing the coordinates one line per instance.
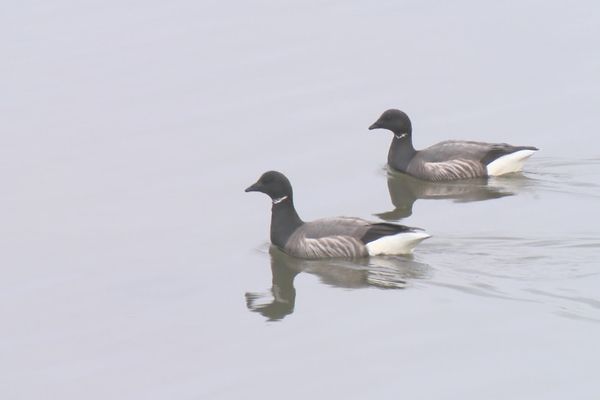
(401, 151)
(284, 221)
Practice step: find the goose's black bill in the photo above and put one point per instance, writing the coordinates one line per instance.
(375, 125)
(255, 187)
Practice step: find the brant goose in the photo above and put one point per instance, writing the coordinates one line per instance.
(451, 159)
(329, 237)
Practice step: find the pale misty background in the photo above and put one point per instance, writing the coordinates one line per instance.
(129, 249)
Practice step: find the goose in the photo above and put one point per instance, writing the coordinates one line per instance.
(451, 159)
(341, 237)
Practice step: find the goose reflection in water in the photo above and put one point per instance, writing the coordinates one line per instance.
(383, 272)
(405, 190)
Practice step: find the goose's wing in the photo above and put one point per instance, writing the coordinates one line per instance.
(468, 150)
(356, 228)
(351, 238)
(453, 159)
(392, 239)
(379, 230)
(339, 226)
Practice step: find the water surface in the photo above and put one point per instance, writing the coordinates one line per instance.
(135, 266)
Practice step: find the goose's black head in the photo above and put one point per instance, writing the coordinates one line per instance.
(274, 184)
(394, 120)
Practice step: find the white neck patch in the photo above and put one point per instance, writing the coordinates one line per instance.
(400, 136)
(279, 200)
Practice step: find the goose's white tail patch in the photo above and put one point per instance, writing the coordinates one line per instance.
(512, 162)
(400, 243)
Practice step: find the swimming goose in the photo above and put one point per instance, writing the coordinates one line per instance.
(329, 237)
(451, 159)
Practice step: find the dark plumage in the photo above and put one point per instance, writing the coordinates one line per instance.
(329, 237)
(451, 159)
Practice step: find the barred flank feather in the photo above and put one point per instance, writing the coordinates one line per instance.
(327, 247)
(448, 170)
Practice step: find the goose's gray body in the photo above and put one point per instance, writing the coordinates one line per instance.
(454, 159)
(348, 237)
(329, 237)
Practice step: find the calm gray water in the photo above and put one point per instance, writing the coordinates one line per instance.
(135, 267)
